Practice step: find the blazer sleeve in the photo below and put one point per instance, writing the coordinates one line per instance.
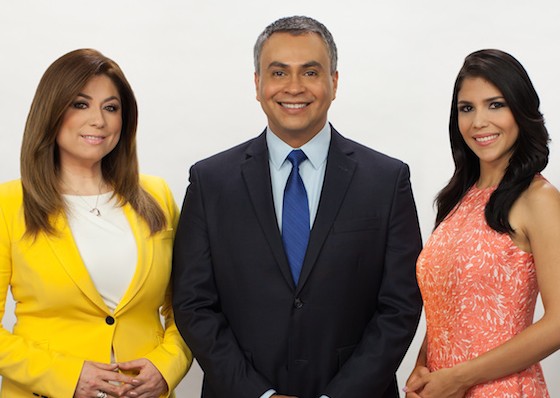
(197, 304)
(172, 357)
(41, 370)
(372, 366)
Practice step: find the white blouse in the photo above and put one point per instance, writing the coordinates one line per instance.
(105, 242)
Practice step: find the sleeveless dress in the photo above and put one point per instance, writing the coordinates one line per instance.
(479, 291)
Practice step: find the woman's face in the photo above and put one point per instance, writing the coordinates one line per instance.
(486, 122)
(91, 126)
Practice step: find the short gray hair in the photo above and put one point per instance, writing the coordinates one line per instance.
(296, 25)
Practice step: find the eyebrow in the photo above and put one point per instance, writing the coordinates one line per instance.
(111, 98)
(310, 64)
(486, 100)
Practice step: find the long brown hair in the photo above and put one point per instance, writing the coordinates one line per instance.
(40, 163)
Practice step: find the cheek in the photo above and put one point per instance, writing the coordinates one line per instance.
(463, 123)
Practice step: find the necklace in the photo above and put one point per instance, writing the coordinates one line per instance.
(93, 210)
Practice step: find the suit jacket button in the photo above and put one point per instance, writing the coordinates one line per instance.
(298, 303)
(110, 320)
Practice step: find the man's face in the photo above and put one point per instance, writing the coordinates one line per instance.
(295, 86)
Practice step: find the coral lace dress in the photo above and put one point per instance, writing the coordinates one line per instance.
(479, 291)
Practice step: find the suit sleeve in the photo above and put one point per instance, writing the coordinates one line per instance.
(371, 368)
(41, 370)
(197, 306)
(172, 357)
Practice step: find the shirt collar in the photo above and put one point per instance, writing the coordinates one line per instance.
(315, 149)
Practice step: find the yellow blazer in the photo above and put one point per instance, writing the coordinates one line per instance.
(61, 320)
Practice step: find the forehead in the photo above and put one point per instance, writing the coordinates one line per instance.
(478, 87)
(281, 46)
(100, 82)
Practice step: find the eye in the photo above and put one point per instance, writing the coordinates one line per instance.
(111, 108)
(465, 108)
(497, 105)
(278, 73)
(79, 105)
(311, 73)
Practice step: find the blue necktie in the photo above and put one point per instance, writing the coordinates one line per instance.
(295, 216)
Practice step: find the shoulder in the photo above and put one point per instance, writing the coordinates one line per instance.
(541, 195)
(11, 202)
(537, 207)
(152, 183)
(362, 152)
(236, 154)
(11, 193)
(369, 160)
(157, 187)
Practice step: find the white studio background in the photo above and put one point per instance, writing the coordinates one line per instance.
(190, 64)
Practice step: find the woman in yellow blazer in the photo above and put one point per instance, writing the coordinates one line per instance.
(85, 247)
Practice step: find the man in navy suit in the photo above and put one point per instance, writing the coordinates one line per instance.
(331, 310)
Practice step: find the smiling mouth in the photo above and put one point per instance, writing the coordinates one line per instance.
(96, 138)
(293, 106)
(486, 138)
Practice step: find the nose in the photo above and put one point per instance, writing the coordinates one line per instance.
(97, 118)
(294, 85)
(480, 119)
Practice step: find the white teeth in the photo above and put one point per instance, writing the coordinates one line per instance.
(293, 106)
(487, 138)
(92, 137)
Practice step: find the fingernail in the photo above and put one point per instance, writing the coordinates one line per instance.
(405, 389)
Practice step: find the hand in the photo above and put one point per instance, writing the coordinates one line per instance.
(416, 375)
(96, 377)
(148, 382)
(442, 383)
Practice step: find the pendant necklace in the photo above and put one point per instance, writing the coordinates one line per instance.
(93, 210)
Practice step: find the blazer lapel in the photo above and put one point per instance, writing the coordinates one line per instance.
(65, 250)
(145, 253)
(338, 175)
(256, 174)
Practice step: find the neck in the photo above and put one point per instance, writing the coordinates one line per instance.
(489, 177)
(83, 181)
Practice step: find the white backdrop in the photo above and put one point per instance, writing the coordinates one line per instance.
(190, 64)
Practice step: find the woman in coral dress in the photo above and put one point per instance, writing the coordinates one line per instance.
(495, 245)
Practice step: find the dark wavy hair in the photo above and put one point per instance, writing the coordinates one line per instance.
(529, 153)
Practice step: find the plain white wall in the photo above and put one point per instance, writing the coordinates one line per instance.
(190, 64)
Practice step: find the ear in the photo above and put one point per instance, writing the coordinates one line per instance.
(334, 83)
(257, 79)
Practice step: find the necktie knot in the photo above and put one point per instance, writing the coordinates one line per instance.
(296, 157)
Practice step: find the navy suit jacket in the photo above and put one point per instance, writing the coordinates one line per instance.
(344, 329)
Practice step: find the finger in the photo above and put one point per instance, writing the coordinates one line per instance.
(104, 366)
(134, 364)
(414, 385)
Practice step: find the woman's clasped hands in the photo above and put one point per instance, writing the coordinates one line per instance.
(99, 380)
(443, 383)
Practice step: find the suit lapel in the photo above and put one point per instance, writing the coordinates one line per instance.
(145, 253)
(65, 250)
(256, 174)
(338, 175)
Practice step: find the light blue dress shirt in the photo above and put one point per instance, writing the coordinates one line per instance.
(312, 170)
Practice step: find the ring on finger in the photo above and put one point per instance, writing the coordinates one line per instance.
(101, 394)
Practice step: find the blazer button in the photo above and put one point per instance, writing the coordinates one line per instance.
(109, 320)
(298, 303)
